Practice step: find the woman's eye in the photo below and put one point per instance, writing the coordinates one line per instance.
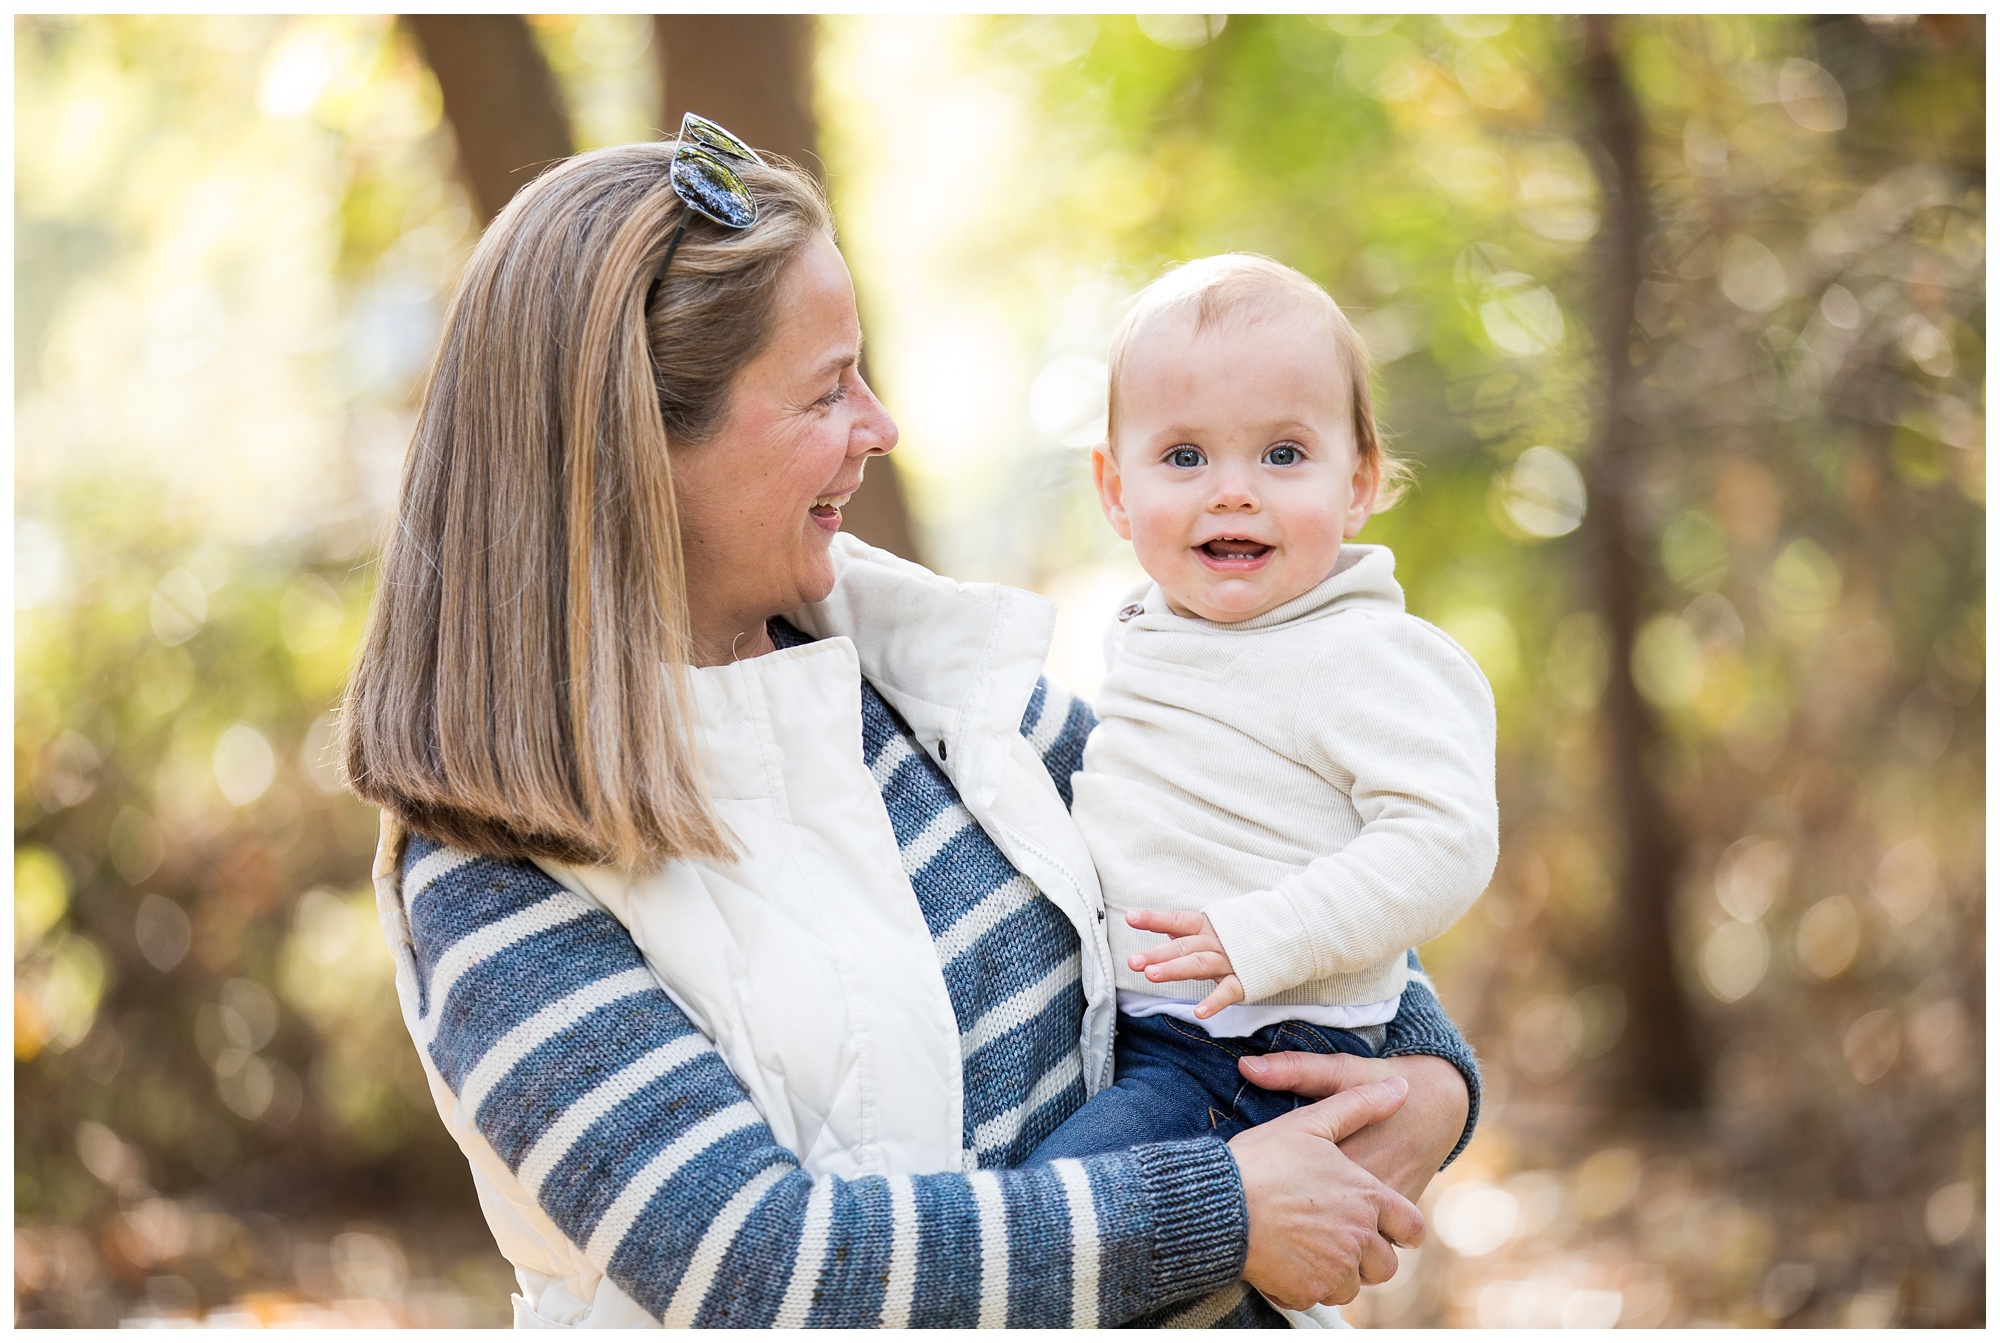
(1283, 454)
(834, 397)
(1185, 458)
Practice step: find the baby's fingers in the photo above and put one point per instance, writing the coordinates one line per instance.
(1171, 950)
(1178, 923)
(1201, 965)
(1228, 989)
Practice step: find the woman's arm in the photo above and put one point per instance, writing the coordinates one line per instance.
(1296, 1258)
(1421, 1028)
(626, 1127)
(1405, 1149)
(1426, 1050)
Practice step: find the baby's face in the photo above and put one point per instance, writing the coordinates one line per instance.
(1235, 472)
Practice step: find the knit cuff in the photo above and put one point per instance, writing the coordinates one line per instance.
(1201, 1226)
(1421, 1027)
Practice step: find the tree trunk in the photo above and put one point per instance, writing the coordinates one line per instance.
(500, 98)
(1663, 1067)
(753, 74)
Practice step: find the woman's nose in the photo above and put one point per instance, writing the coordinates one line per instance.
(874, 432)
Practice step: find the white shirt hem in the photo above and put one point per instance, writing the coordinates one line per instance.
(1249, 1018)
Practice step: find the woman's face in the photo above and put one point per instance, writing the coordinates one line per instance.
(759, 503)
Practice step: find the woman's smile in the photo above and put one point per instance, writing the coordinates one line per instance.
(826, 509)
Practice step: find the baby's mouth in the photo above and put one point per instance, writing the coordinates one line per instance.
(1233, 551)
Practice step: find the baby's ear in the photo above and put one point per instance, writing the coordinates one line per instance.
(1367, 488)
(1110, 488)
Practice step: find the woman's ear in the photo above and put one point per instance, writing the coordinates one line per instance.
(1110, 489)
(1361, 503)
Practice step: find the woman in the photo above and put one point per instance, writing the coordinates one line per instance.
(739, 921)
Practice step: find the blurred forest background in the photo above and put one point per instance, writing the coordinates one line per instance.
(1682, 321)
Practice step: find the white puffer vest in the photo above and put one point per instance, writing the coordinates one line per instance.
(808, 962)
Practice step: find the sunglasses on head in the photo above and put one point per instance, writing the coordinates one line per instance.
(702, 178)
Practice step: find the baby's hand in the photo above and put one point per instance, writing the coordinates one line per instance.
(1195, 953)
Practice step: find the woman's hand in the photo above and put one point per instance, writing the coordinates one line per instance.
(1403, 1149)
(1194, 953)
(1320, 1225)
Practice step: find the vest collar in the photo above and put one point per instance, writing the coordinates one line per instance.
(957, 660)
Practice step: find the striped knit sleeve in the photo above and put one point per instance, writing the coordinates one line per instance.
(624, 1124)
(1421, 1027)
(1057, 724)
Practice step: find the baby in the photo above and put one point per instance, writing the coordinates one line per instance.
(1291, 776)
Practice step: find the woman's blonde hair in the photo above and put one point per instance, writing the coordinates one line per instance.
(1246, 285)
(521, 689)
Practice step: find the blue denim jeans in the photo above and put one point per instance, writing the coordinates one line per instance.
(1174, 1080)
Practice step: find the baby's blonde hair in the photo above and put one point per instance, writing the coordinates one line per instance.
(1246, 285)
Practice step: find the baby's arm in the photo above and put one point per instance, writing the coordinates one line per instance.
(1402, 719)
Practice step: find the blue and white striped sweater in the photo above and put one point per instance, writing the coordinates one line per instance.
(627, 1128)
(1012, 962)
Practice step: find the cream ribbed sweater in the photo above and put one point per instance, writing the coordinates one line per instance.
(1318, 780)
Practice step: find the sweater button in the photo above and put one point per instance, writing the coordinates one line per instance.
(1129, 612)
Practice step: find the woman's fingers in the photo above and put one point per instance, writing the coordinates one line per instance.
(1405, 1150)
(1344, 1291)
(1313, 1213)
(1399, 1219)
(1378, 1261)
(1403, 1153)
(1355, 1108)
(1313, 1074)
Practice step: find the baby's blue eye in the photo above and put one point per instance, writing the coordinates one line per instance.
(1283, 454)
(1186, 458)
